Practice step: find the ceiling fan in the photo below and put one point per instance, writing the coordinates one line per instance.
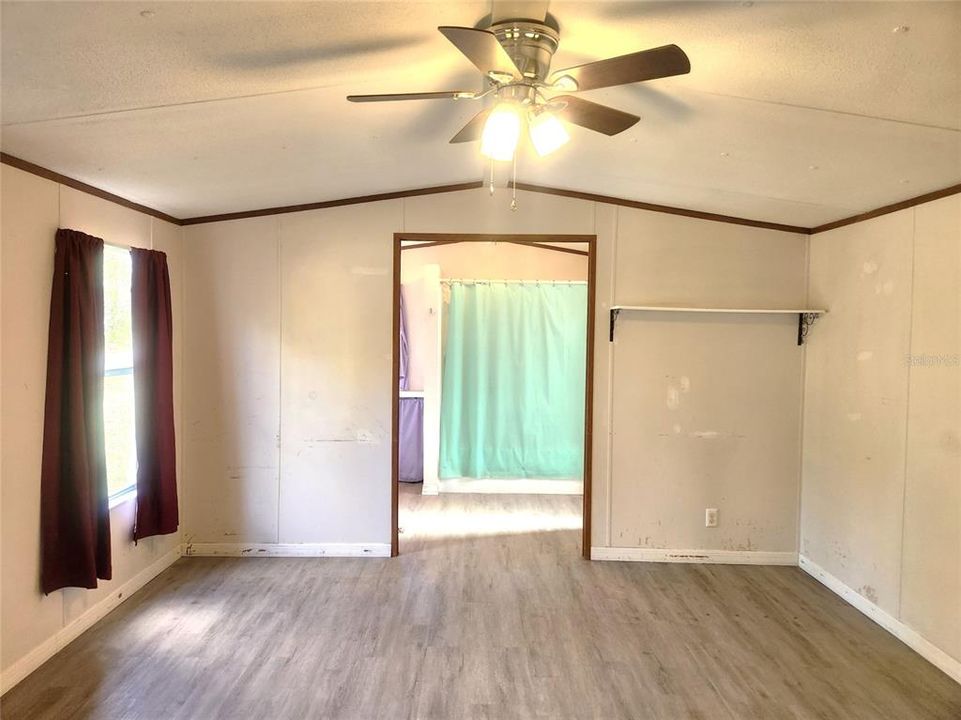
(515, 57)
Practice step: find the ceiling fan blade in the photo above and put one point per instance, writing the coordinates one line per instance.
(502, 10)
(473, 129)
(636, 67)
(482, 48)
(388, 97)
(600, 118)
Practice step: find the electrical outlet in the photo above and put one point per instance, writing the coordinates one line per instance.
(710, 517)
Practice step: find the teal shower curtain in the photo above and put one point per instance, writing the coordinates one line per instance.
(512, 401)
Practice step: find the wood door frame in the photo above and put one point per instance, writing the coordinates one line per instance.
(533, 240)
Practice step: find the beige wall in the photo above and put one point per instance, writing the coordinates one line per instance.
(881, 501)
(705, 409)
(495, 261)
(288, 367)
(32, 209)
(335, 374)
(289, 376)
(232, 378)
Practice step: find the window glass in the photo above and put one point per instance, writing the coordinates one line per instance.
(118, 399)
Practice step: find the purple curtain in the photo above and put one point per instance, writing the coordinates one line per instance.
(411, 425)
(411, 431)
(154, 396)
(74, 504)
(404, 347)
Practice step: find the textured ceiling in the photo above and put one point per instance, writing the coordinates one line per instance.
(795, 112)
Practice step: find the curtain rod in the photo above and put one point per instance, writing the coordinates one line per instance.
(516, 282)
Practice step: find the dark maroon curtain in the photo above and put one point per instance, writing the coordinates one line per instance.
(153, 389)
(74, 505)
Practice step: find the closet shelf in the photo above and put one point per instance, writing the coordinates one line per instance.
(806, 316)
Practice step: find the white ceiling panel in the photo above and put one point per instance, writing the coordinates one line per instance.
(794, 112)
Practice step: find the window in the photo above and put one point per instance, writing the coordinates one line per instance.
(118, 400)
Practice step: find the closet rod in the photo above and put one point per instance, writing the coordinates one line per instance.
(521, 282)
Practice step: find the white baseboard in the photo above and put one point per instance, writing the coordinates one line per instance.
(717, 557)
(54, 644)
(933, 654)
(505, 486)
(286, 550)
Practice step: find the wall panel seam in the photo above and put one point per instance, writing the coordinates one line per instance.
(280, 368)
(609, 475)
(803, 398)
(182, 455)
(907, 405)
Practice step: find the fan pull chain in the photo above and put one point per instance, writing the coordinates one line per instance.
(491, 186)
(514, 184)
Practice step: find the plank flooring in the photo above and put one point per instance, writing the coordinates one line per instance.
(490, 614)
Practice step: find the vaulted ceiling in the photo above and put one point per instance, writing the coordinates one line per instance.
(794, 112)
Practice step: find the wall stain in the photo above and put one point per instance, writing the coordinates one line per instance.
(951, 443)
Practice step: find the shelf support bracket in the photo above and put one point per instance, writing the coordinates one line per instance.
(804, 323)
(614, 313)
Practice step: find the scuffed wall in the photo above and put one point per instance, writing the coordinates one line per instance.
(705, 408)
(288, 372)
(881, 498)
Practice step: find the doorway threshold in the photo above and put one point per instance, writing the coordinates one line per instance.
(513, 486)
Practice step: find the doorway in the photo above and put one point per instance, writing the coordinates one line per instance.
(583, 245)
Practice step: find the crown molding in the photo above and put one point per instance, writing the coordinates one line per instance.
(667, 209)
(886, 209)
(83, 187)
(283, 209)
(43, 172)
(528, 187)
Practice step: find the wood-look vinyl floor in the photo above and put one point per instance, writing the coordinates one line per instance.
(489, 613)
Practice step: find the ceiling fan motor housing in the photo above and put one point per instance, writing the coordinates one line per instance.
(530, 44)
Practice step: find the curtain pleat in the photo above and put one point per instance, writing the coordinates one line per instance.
(157, 511)
(74, 503)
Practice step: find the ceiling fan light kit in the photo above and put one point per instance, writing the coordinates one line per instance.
(547, 133)
(501, 132)
(515, 58)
